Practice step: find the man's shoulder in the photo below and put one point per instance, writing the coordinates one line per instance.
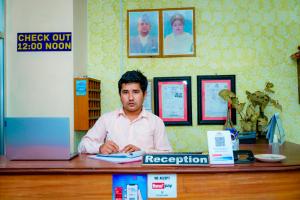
(135, 44)
(111, 114)
(134, 39)
(152, 116)
(153, 39)
(187, 35)
(169, 37)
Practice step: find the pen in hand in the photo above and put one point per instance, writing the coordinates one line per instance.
(130, 148)
(109, 146)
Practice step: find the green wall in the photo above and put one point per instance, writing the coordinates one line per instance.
(249, 38)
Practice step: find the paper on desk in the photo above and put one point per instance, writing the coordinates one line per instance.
(120, 157)
(123, 155)
(117, 159)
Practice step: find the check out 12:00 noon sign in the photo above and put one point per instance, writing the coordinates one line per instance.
(51, 41)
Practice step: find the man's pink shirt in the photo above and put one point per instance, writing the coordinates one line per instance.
(147, 132)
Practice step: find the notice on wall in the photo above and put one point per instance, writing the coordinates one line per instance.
(49, 41)
(81, 87)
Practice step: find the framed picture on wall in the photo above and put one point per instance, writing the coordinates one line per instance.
(148, 101)
(179, 32)
(172, 100)
(143, 33)
(212, 109)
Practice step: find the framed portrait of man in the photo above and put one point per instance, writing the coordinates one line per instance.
(179, 32)
(143, 33)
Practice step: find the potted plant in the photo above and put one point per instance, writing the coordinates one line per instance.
(252, 117)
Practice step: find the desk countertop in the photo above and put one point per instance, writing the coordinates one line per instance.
(84, 165)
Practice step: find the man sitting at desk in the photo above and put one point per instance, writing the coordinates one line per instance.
(130, 128)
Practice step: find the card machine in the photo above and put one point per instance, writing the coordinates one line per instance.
(243, 156)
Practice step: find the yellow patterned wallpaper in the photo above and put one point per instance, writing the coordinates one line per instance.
(252, 39)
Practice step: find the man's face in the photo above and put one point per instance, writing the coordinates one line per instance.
(132, 97)
(177, 27)
(143, 28)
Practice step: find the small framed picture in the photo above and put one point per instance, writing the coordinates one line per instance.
(148, 101)
(212, 109)
(179, 32)
(172, 100)
(143, 33)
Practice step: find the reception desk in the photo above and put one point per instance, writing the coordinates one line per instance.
(85, 178)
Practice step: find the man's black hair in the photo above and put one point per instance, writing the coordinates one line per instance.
(134, 76)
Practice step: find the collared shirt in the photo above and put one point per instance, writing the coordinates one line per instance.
(147, 132)
(151, 45)
(179, 44)
(144, 40)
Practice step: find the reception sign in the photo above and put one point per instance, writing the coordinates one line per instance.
(193, 159)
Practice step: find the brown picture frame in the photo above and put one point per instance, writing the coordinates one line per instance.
(179, 38)
(152, 33)
(141, 21)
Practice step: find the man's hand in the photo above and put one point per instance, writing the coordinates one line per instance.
(130, 148)
(109, 147)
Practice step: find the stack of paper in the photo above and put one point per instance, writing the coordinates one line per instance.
(120, 157)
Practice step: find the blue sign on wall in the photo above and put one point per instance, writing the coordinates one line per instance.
(81, 87)
(53, 41)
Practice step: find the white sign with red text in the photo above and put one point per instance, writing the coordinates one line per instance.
(162, 185)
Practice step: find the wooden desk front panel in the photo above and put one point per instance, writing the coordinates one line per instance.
(37, 187)
(256, 185)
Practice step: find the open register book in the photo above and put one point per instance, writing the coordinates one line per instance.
(120, 157)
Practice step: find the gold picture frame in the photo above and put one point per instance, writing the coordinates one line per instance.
(159, 33)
